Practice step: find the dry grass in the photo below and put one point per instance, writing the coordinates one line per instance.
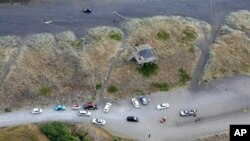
(97, 54)
(219, 137)
(172, 53)
(22, 133)
(40, 64)
(229, 55)
(239, 20)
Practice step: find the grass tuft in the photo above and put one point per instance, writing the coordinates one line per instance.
(189, 34)
(148, 69)
(115, 36)
(183, 76)
(45, 91)
(112, 89)
(163, 36)
(162, 86)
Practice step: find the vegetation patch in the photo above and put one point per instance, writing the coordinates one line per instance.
(189, 34)
(183, 76)
(191, 50)
(115, 36)
(112, 89)
(58, 131)
(148, 69)
(76, 43)
(45, 91)
(98, 86)
(163, 86)
(163, 36)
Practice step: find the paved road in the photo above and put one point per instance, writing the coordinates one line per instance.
(219, 104)
(67, 14)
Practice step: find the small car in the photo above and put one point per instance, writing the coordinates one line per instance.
(107, 107)
(135, 103)
(84, 113)
(60, 107)
(132, 119)
(162, 106)
(76, 107)
(188, 112)
(143, 100)
(90, 106)
(36, 111)
(87, 10)
(98, 121)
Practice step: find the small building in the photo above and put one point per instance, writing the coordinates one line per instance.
(143, 54)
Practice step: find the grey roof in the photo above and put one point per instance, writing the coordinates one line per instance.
(143, 54)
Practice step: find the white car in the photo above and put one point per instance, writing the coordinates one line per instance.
(98, 121)
(135, 102)
(36, 111)
(107, 107)
(84, 113)
(162, 106)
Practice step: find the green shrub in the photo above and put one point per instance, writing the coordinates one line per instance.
(115, 36)
(183, 76)
(7, 110)
(58, 131)
(148, 69)
(112, 89)
(45, 91)
(76, 43)
(98, 86)
(163, 35)
(191, 50)
(162, 86)
(189, 34)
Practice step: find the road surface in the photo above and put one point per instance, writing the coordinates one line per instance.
(219, 104)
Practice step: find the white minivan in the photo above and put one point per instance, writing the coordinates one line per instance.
(107, 107)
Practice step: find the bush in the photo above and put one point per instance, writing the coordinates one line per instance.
(45, 91)
(112, 89)
(76, 43)
(162, 86)
(98, 86)
(183, 76)
(163, 35)
(189, 34)
(7, 110)
(58, 131)
(191, 50)
(148, 69)
(115, 36)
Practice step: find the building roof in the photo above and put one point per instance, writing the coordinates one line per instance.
(143, 54)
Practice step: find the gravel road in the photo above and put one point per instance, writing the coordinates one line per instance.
(219, 104)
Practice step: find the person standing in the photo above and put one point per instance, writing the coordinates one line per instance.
(149, 135)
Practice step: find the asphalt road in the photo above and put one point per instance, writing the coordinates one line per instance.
(219, 104)
(20, 19)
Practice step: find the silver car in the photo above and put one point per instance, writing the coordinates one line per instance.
(135, 102)
(98, 121)
(36, 111)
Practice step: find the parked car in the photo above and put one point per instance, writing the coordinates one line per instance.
(132, 119)
(84, 113)
(76, 107)
(143, 100)
(98, 121)
(36, 111)
(90, 106)
(107, 107)
(60, 107)
(188, 112)
(162, 106)
(87, 10)
(135, 102)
